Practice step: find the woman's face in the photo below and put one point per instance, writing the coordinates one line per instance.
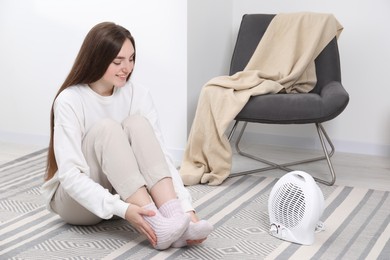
(120, 68)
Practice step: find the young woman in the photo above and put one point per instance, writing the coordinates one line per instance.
(106, 154)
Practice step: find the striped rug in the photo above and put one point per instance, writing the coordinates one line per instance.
(357, 223)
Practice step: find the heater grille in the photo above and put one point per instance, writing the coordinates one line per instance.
(288, 205)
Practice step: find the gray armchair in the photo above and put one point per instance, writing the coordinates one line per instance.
(326, 101)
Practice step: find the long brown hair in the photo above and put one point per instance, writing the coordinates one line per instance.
(100, 47)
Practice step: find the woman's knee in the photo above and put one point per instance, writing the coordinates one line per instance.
(101, 134)
(135, 123)
(107, 126)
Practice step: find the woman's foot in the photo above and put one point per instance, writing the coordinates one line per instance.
(167, 230)
(195, 231)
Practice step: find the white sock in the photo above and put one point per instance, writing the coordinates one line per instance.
(168, 230)
(171, 208)
(195, 231)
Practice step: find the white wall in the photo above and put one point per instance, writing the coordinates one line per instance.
(364, 126)
(40, 40)
(209, 48)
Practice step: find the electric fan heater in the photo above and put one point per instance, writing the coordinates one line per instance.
(295, 206)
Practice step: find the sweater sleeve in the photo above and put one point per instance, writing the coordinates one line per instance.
(144, 104)
(73, 171)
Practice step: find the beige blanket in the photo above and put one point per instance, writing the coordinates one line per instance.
(283, 60)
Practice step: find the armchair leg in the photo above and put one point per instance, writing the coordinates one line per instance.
(323, 136)
(322, 133)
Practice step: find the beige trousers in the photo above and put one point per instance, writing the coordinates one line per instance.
(122, 158)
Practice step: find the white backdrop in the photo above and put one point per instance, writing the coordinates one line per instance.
(40, 40)
(364, 127)
(181, 45)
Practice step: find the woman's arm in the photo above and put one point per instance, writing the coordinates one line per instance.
(73, 171)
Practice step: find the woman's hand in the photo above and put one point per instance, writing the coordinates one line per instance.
(134, 215)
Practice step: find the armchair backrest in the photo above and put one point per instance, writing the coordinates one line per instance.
(252, 29)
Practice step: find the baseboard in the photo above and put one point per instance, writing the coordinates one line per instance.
(23, 138)
(43, 141)
(250, 137)
(176, 156)
(302, 143)
(314, 143)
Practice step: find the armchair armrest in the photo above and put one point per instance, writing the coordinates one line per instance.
(335, 98)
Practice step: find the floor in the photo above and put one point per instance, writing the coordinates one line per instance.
(11, 151)
(351, 169)
(355, 170)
